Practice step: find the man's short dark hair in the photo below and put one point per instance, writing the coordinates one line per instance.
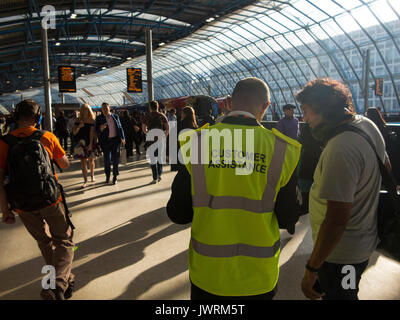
(153, 105)
(27, 110)
(330, 98)
(288, 106)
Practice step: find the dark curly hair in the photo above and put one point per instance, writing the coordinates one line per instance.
(328, 97)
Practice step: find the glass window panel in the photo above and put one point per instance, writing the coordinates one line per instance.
(383, 11)
(395, 5)
(364, 17)
(348, 23)
(348, 4)
(329, 7)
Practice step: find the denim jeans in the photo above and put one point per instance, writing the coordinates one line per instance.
(332, 276)
(111, 155)
(157, 170)
(156, 163)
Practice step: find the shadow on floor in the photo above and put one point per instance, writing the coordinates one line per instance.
(110, 194)
(157, 274)
(129, 241)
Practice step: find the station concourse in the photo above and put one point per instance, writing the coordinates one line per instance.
(127, 53)
(127, 248)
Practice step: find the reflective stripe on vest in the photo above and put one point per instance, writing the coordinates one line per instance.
(203, 199)
(232, 250)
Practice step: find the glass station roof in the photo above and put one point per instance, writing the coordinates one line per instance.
(286, 43)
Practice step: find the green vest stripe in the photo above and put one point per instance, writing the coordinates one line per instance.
(232, 250)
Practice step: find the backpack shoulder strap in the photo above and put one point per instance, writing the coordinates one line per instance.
(38, 134)
(387, 177)
(9, 139)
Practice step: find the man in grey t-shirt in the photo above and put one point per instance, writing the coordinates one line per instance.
(344, 196)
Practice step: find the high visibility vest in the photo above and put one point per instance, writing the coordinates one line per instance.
(235, 240)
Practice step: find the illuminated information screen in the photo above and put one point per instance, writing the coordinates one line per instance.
(66, 79)
(134, 76)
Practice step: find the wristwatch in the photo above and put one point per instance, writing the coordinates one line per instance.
(309, 268)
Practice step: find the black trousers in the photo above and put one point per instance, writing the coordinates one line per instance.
(340, 281)
(198, 294)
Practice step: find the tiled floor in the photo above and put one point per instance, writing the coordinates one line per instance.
(128, 248)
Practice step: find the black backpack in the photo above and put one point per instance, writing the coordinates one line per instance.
(32, 184)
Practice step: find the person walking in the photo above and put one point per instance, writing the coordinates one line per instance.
(85, 136)
(156, 120)
(344, 196)
(188, 121)
(288, 125)
(70, 125)
(33, 193)
(110, 134)
(61, 130)
(129, 131)
(235, 241)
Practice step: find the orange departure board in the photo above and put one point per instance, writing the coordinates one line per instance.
(66, 79)
(134, 76)
(379, 86)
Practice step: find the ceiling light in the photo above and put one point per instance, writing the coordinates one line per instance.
(161, 44)
(73, 15)
(210, 19)
(8, 81)
(19, 77)
(33, 69)
(58, 43)
(82, 75)
(104, 68)
(129, 58)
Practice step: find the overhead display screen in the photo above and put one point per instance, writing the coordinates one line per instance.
(66, 79)
(134, 76)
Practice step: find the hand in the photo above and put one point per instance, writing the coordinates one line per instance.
(8, 217)
(103, 126)
(307, 285)
(81, 124)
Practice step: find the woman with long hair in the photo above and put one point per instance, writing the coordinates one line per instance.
(86, 148)
(188, 119)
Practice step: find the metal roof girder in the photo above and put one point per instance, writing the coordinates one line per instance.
(379, 53)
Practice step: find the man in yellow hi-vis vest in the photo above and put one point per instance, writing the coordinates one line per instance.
(228, 189)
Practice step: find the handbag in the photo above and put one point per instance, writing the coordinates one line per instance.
(389, 204)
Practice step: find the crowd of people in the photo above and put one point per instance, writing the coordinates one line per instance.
(235, 241)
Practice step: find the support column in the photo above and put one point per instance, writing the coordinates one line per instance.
(149, 64)
(48, 121)
(366, 64)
